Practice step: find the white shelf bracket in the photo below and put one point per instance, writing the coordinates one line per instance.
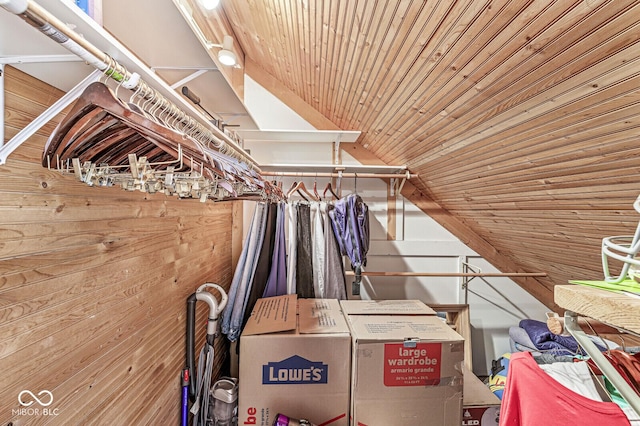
(188, 78)
(336, 150)
(393, 184)
(45, 117)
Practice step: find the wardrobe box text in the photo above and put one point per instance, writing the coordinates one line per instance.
(296, 366)
(406, 370)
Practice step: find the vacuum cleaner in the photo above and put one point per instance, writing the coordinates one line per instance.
(210, 405)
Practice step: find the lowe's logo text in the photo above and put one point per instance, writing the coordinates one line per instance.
(294, 370)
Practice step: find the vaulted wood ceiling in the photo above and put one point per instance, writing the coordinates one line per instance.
(521, 117)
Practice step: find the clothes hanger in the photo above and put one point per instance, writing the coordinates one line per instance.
(355, 183)
(302, 190)
(315, 188)
(294, 188)
(330, 189)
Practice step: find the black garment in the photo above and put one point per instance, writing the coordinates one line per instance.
(263, 265)
(304, 266)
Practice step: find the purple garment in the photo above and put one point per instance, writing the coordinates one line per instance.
(277, 281)
(350, 223)
(335, 286)
(543, 339)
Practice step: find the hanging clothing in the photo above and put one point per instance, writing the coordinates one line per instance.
(292, 216)
(277, 281)
(263, 265)
(335, 285)
(532, 398)
(350, 222)
(318, 248)
(243, 276)
(304, 265)
(575, 376)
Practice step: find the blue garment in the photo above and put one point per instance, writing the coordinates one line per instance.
(277, 281)
(263, 263)
(543, 339)
(237, 276)
(233, 325)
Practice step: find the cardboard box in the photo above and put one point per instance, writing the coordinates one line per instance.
(385, 307)
(298, 368)
(480, 406)
(406, 370)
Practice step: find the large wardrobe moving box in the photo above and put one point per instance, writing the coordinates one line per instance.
(299, 367)
(406, 370)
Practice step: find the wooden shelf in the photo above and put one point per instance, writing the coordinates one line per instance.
(298, 136)
(331, 168)
(615, 309)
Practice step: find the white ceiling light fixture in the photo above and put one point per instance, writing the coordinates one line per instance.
(209, 4)
(226, 55)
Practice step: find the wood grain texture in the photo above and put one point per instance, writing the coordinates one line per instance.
(93, 285)
(615, 309)
(520, 117)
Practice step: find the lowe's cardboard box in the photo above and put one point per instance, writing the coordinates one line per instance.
(480, 406)
(406, 370)
(297, 365)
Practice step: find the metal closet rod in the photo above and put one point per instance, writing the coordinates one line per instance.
(449, 274)
(344, 175)
(48, 24)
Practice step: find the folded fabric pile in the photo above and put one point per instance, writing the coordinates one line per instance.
(534, 336)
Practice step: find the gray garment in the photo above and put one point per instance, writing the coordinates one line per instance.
(304, 267)
(277, 281)
(335, 286)
(292, 244)
(317, 248)
(519, 335)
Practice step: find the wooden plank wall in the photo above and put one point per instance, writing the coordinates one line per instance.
(94, 283)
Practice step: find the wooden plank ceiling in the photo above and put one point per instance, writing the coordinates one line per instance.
(521, 117)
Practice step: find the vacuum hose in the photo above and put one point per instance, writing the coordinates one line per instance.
(215, 308)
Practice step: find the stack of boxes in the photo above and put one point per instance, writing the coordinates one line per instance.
(363, 363)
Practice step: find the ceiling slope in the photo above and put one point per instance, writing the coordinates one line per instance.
(521, 117)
